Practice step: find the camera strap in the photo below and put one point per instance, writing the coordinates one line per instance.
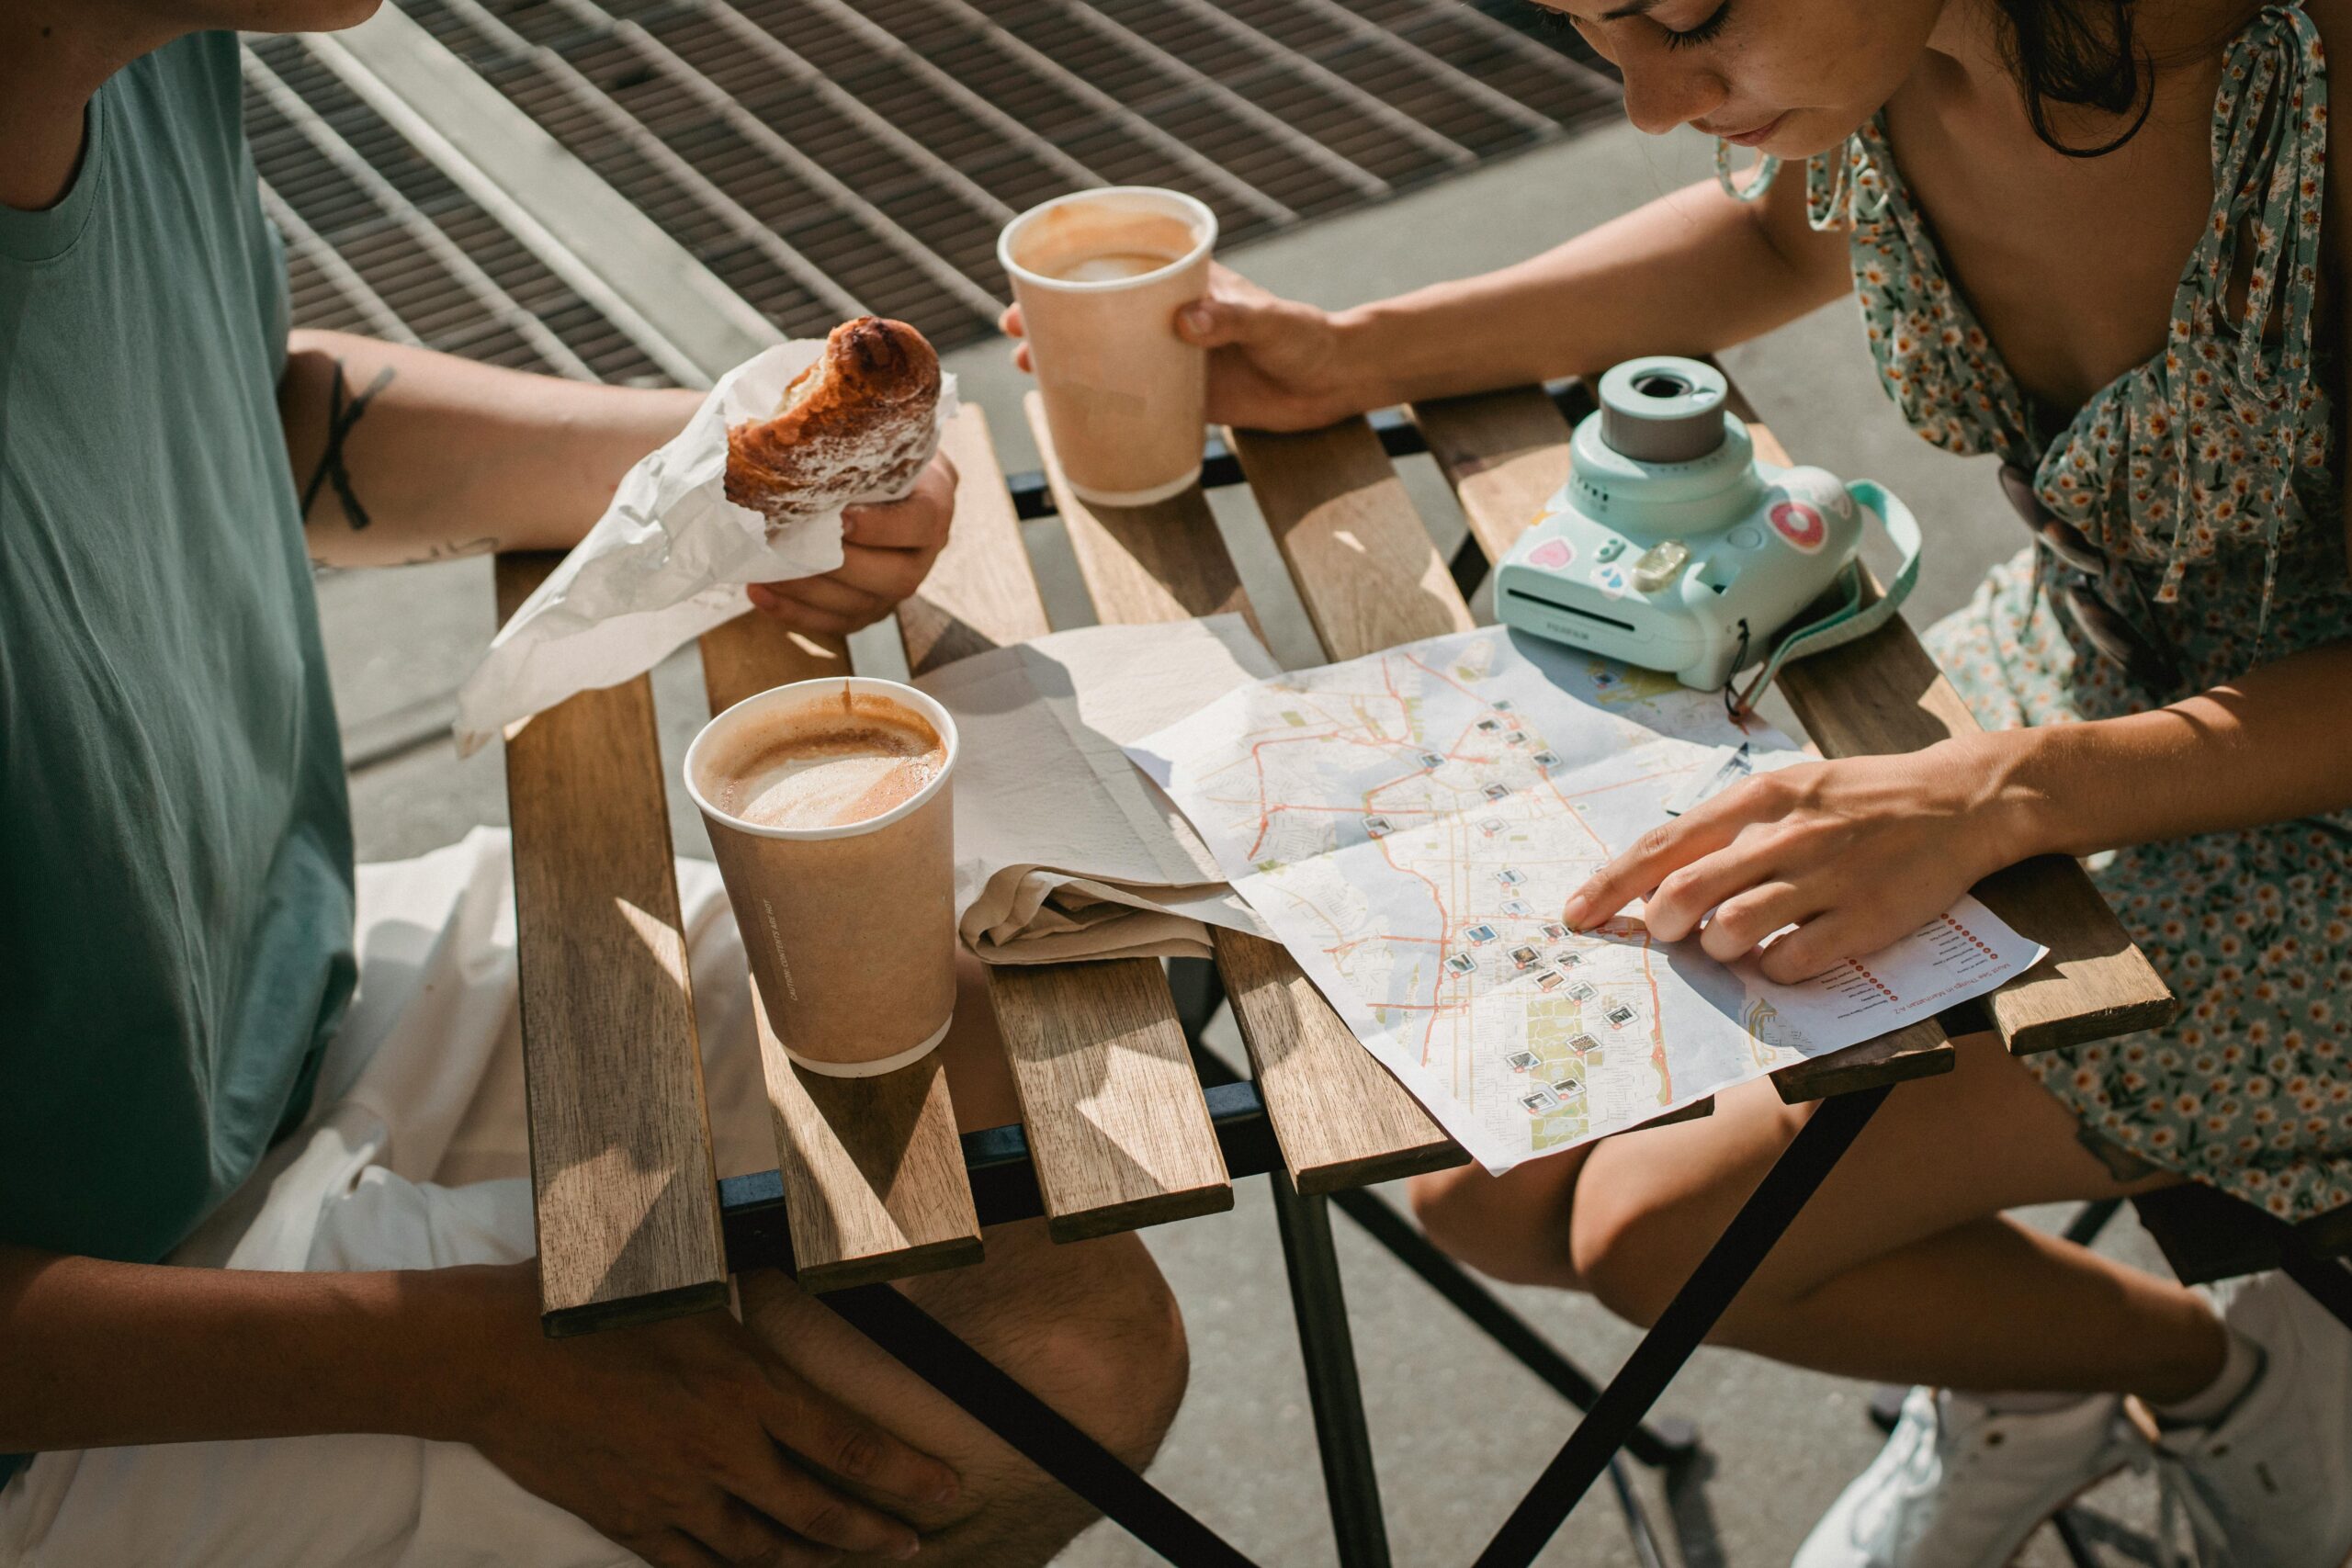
(1853, 617)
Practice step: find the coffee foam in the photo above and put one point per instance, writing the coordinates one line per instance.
(830, 763)
(1068, 241)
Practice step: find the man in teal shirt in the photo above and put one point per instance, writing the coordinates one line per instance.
(175, 864)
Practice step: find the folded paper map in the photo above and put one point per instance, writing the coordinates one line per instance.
(1410, 824)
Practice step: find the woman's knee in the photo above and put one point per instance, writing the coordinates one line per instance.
(1632, 1243)
(1511, 1228)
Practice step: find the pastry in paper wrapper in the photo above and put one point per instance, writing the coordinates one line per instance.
(669, 558)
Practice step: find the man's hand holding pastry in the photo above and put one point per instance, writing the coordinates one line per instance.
(887, 550)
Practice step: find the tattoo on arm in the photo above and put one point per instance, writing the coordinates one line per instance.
(340, 421)
(452, 549)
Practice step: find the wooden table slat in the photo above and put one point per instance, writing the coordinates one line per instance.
(1341, 1121)
(1365, 565)
(1114, 1115)
(874, 1184)
(981, 594)
(623, 1187)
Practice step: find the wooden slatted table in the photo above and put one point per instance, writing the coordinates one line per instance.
(1117, 1129)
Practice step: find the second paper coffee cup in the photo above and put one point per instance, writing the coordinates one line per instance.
(830, 813)
(1100, 275)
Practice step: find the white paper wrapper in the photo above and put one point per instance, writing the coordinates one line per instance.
(666, 562)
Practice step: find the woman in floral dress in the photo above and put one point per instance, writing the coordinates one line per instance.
(2096, 238)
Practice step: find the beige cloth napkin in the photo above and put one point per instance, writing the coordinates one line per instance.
(1064, 850)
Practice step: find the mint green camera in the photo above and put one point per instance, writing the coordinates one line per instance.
(1671, 548)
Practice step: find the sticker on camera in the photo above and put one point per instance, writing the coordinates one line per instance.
(1801, 505)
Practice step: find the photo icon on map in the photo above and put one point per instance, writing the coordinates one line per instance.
(1379, 827)
(1554, 932)
(1547, 981)
(1520, 1061)
(1462, 963)
(1431, 760)
(1547, 759)
(1510, 877)
(1480, 934)
(1582, 992)
(1542, 1100)
(1621, 1015)
(1584, 1045)
(1526, 958)
(1495, 791)
(1567, 1088)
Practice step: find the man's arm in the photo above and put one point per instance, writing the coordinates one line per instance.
(422, 456)
(402, 455)
(686, 1441)
(405, 454)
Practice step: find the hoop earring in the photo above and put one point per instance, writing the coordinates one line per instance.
(1768, 169)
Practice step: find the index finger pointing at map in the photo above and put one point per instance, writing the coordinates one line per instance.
(1665, 847)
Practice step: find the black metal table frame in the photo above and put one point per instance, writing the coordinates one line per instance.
(1004, 1189)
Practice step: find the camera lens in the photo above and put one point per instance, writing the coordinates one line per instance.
(1663, 409)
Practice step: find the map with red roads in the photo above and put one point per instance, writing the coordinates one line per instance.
(1410, 824)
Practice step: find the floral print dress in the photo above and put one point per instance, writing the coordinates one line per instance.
(2199, 485)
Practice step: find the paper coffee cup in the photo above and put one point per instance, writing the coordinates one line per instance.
(1125, 396)
(850, 929)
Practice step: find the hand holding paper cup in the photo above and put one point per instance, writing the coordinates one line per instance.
(1100, 275)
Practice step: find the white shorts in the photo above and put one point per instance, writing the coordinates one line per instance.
(415, 1156)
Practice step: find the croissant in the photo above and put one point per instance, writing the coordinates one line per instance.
(858, 425)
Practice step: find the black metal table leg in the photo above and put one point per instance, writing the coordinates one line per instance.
(993, 1397)
(1661, 1445)
(1198, 990)
(2326, 1280)
(1683, 1327)
(1320, 1302)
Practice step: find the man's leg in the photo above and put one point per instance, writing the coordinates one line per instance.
(1902, 1268)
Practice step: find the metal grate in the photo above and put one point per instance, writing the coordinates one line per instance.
(380, 241)
(829, 157)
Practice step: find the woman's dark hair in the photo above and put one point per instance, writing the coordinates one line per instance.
(2080, 52)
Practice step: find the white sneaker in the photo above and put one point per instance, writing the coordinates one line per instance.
(1959, 1485)
(2270, 1486)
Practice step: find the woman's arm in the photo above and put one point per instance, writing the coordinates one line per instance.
(1691, 273)
(2270, 746)
(1859, 852)
(442, 456)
